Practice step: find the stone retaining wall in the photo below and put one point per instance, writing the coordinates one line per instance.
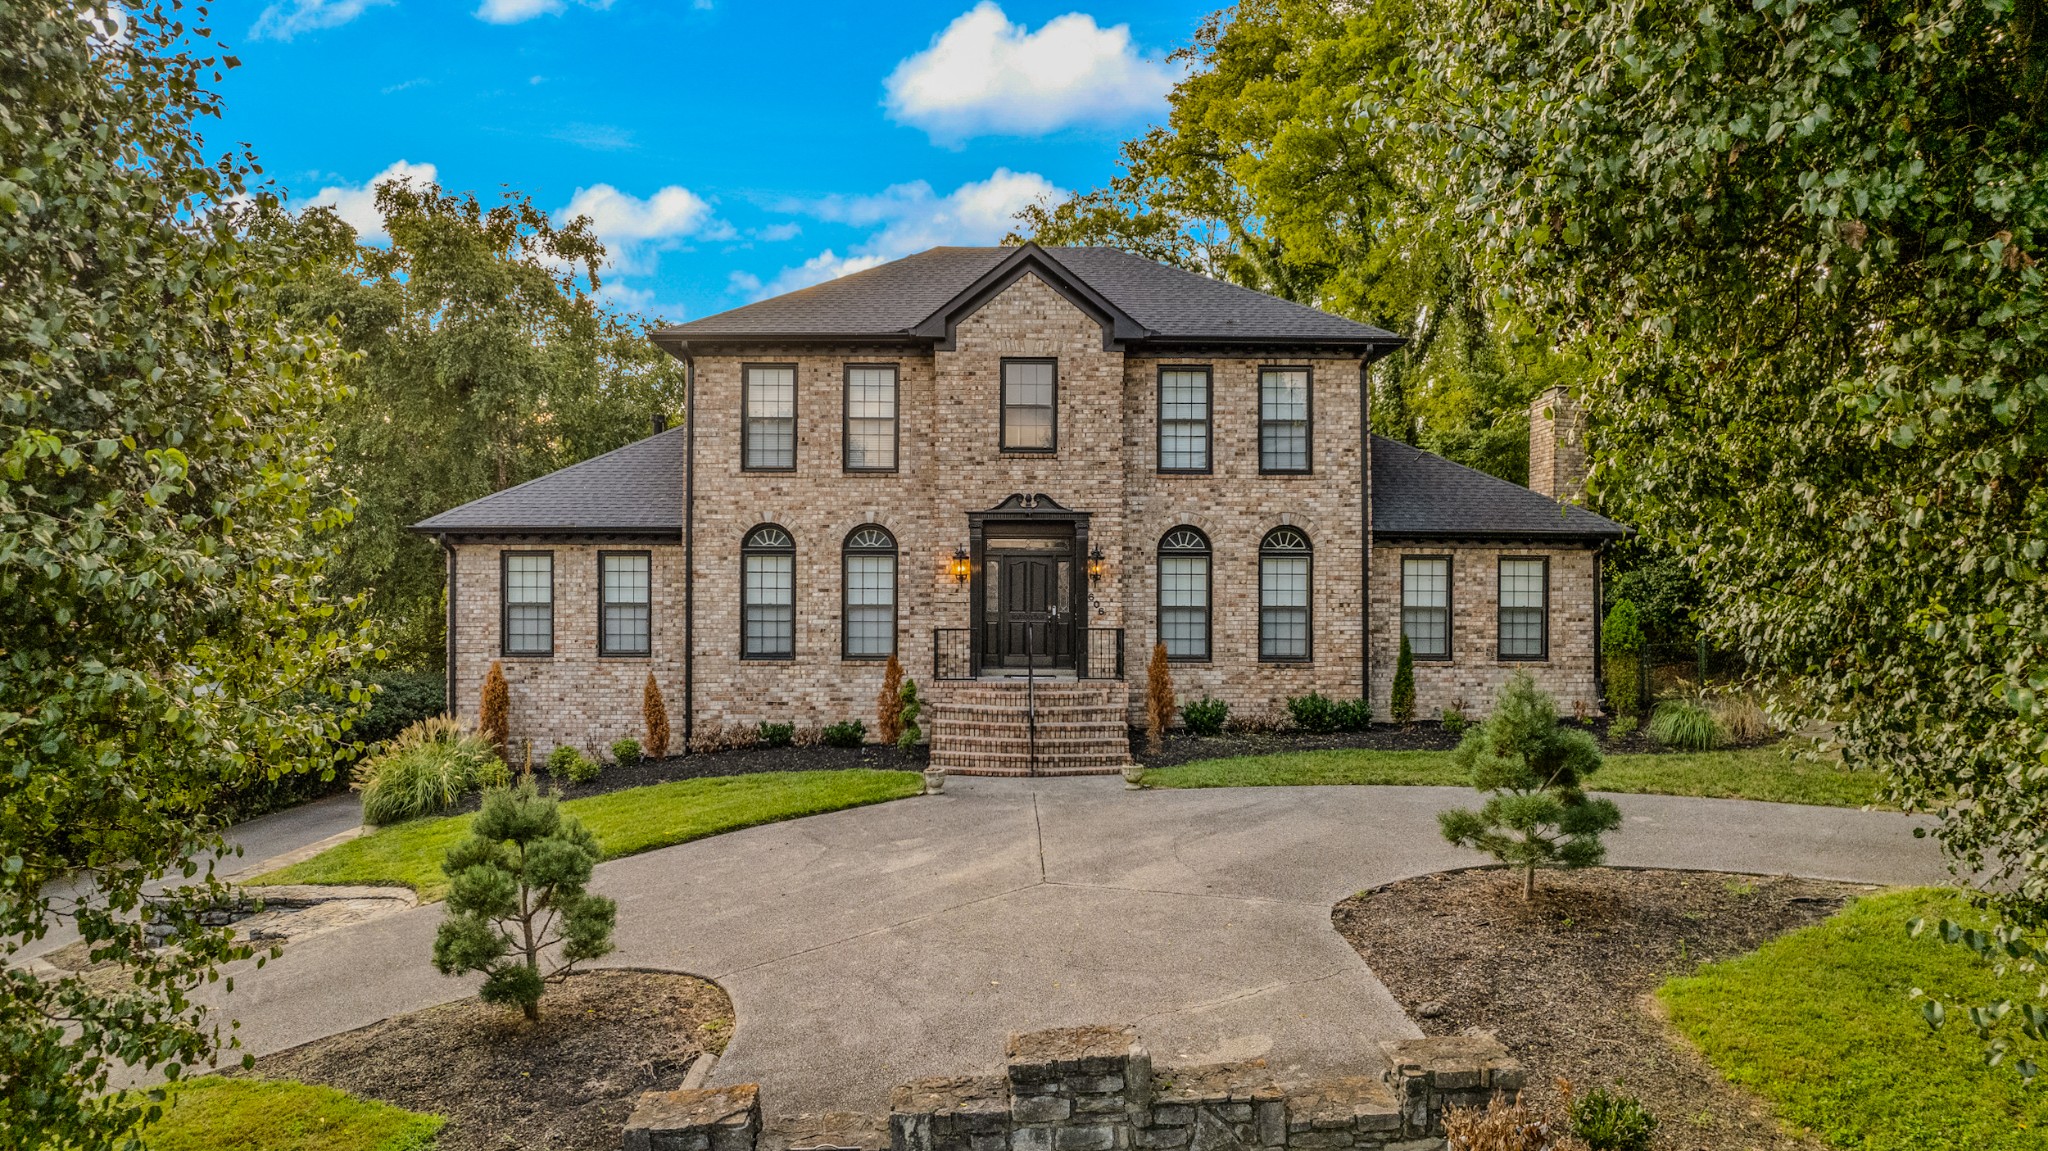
(1095, 1089)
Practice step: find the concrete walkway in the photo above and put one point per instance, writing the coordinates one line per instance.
(866, 947)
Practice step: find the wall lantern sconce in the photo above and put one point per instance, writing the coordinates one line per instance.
(961, 567)
(1095, 564)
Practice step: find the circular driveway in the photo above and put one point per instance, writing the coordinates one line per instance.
(867, 947)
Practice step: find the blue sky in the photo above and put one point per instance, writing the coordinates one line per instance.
(727, 149)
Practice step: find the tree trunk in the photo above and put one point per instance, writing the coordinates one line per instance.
(1528, 884)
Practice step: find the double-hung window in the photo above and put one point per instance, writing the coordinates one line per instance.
(1183, 419)
(1184, 594)
(768, 594)
(528, 596)
(1284, 582)
(624, 603)
(868, 613)
(1284, 420)
(870, 418)
(1030, 406)
(1524, 607)
(1426, 606)
(768, 439)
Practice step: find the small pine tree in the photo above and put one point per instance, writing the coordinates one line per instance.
(494, 721)
(1535, 814)
(655, 710)
(516, 890)
(889, 702)
(1621, 646)
(1158, 699)
(912, 708)
(1402, 705)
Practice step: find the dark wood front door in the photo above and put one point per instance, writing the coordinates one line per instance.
(1030, 617)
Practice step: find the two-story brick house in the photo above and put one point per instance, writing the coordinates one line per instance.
(1004, 464)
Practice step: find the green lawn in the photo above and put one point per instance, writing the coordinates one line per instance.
(1820, 1023)
(1769, 773)
(624, 822)
(215, 1114)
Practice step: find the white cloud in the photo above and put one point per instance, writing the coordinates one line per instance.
(287, 18)
(357, 204)
(986, 76)
(909, 218)
(622, 297)
(520, 11)
(633, 228)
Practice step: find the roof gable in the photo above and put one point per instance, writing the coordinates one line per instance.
(944, 323)
(1417, 494)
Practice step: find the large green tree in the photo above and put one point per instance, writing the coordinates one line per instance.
(483, 358)
(166, 503)
(1806, 237)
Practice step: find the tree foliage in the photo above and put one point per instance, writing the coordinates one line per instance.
(1401, 701)
(166, 508)
(1535, 814)
(517, 900)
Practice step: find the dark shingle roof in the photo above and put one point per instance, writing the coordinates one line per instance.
(637, 490)
(892, 299)
(1415, 493)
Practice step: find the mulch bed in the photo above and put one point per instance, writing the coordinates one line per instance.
(565, 1084)
(1565, 980)
(1181, 748)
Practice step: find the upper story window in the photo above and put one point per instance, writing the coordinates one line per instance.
(527, 593)
(624, 603)
(768, 594)
(768, 439)
(1284, 581)
(1183, 419)
(1030, 406)
(1284, 416)
(1524, 607)
(868, 610)
(1426, 605)
(871, 418)
(1184, 594)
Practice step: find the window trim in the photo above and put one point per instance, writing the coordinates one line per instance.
(747, 551)
(505, 604)
(796, 390)
(1500, 610)
(1308, 467)
(1003, 405)
(895, 371)
(1309, 648)
(604, 652)
(895, 554)
(1208, 552)
(1450, 654)
(1208, 423)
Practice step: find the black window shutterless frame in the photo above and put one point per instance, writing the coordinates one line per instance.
(1542, 610)
(1280, 546)
(605, 604)
(1187, 543)
(747, 418)
(766, 542)
(1308, 420)
(846, 418)
(1208, 421)
(505, 605)
(869, 541)
(1448, 609)
(1003, 403)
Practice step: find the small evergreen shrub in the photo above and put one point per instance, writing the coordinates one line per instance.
(1402, 705)
(1686, 725)
(1205, 716)
(1454, 721)
(1314, 712)
(403, 698)
(1354, 715)
(852, 733)
(494, 712)
(1621, 646)
(913, 707)
(566, 762)
(626, 752)
(425, 770)
(889, 702)
(1622, 727)
(1158, 699)
(775, 734)
(654, 710)
(1609, 1122)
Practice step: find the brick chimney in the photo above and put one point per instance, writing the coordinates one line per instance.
(1557, 446)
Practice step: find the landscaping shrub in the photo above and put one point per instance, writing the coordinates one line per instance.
(1261, 721)
(808, 735)
(1608, 1122)
(494, 712)
(775, 734)
(1503, 1125)
(1354, 715)
(1535, 813)
(1314, 712)
(913, 707)
(507, 908)
(654, 710)
(403, 698)
(426, 769)
(1621, 645)
(566, 762)
(1622, 727)
(1741, 717)
(1686, 725)
(1402, 705)
(626, 752)
(718, 735)
(852, 733)
(889, 702)
(1158, 699)
(1453, 721)
(1205, 716)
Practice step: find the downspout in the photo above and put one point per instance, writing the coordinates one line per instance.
(689, 544)
(1365, 527)
(448, 686)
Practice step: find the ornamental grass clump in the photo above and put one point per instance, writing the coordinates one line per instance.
(1531, 767)
(1687, 725)
(426, 769)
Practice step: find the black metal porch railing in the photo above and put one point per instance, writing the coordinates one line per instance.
(952, 653)
(1105, 653)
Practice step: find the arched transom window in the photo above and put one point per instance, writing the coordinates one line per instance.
(1285, 566)
(1184, 564)
(768, 594)
(868, 605)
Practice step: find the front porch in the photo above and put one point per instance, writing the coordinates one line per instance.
(1024, 725)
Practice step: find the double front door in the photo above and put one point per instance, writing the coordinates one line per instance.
(1028, 618)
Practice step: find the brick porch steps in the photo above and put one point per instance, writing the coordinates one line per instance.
(981, 727)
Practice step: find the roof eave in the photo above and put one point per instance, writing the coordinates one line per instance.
(429, 528)
(1618, 531)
